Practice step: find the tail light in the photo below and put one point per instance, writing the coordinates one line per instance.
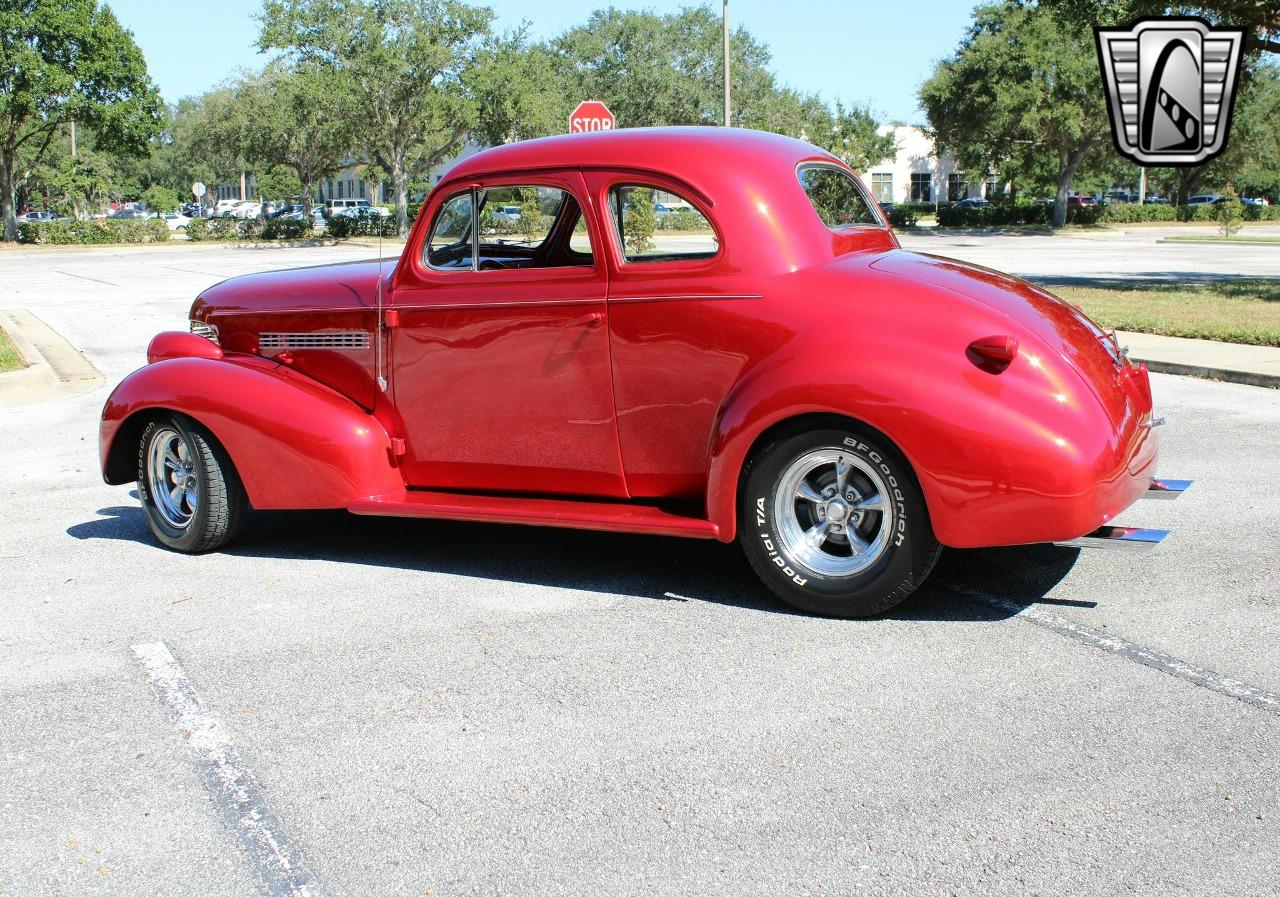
(993, 354)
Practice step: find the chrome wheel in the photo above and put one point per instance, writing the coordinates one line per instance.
(171, 478)
(833, 513)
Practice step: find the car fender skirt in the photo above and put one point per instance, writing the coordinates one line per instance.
(294, 442)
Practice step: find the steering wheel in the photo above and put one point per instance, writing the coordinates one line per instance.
(491, 265)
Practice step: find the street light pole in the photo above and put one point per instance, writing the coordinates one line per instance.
(725, 24)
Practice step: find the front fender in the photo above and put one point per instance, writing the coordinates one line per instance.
(294, 442)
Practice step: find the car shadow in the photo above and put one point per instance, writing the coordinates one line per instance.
(966, 586)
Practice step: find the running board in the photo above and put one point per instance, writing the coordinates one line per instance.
(1166, 490)
(610, 516)
(1127, 538)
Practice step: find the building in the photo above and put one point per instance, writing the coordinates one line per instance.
(916, 173)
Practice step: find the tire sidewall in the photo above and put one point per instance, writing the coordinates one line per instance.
(894, 575)
(185, 538)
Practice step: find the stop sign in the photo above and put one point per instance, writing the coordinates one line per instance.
(591, 115)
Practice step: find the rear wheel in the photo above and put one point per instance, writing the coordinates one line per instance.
(191, 495)
(834, 522)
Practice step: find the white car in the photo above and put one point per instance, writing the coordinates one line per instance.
(224, 207)
(175, 221)
(247, 210)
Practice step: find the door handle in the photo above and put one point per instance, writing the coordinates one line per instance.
(590, 319)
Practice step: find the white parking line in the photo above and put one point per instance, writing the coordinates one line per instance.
(1157, 660)
(235, 790)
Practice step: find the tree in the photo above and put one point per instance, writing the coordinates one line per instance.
(303, 117)
(160, 199)
(65, 61)
(639, 222)
(404, 59)
(1021, 87)
(1230, 211)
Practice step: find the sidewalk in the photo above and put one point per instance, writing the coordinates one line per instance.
(1232, 362)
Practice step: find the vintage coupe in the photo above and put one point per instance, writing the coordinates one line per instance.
(778, 371)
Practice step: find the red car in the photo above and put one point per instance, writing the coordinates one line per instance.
(778, 371)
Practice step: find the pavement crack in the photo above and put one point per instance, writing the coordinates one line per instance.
(1149, 657)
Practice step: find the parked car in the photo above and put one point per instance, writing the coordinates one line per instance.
(972, 202)
(39, 216)
(1203, 199)
(506, 213)
(795, 380)
(224, 206)
(378, 212)
(247, 209)
(1078, 201)
(661, 209)
(334, 205)
(1254, 201)
(317, 216)
(176, 221)
(130, 215)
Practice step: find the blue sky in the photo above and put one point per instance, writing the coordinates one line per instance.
(852, 51)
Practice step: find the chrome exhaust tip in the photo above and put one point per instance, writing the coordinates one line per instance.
(1124, 538)
(1166, 490)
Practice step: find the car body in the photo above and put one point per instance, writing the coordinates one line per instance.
(39, 216)
(379, 212)
(651, 390)
(1257, 201)
(130, 215)
(1204, 199)
(972, 202)
(317, 216)
(246, 210)
(175, 221)
(1078, 201)
(223, 207)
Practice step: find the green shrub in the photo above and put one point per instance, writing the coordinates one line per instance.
(66, 233)
(1261, 213)
(1132, 213)
(342, 226)
(681, 219)
(902, 216)
(247, 229)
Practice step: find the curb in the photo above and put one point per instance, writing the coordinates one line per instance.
(1227, 375)
(1193, 241)
(37, 375)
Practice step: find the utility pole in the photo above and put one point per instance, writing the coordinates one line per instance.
(725, 23)
(1142, 185)
(73, 139)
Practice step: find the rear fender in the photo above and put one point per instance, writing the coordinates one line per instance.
(295, 443)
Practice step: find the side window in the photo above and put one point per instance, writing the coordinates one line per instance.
(528, 226)
(449, 244)
(655, 225)
(836, 197)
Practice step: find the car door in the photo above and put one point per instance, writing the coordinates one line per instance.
(500, 355)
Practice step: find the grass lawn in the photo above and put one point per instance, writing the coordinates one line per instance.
(1232, 311)
(10, 360)
(1238, 238)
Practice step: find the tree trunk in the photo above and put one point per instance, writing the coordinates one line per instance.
(1068, 164)
(400, 182)
(8, 209)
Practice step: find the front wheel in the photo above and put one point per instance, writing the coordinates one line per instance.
(191, 495)
(834, 523)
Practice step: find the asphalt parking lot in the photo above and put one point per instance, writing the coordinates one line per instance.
(429, 708)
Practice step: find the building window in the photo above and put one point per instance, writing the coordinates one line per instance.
(882, 186)
(957, 187)
(992, 188)
(921, 187)
(362, 189)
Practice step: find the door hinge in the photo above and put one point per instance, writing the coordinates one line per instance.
(397, 446)
(391, 318)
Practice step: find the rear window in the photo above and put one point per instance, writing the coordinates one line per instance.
(836, 197)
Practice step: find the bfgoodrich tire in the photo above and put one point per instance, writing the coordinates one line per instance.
(834, 522)
(191, 494)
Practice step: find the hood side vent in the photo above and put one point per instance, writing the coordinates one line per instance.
(352, 339)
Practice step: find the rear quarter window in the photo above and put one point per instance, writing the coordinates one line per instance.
(837, 197)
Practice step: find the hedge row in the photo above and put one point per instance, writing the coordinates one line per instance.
(93, 232)
(200, 229)
(343, 226)
(1120, 213)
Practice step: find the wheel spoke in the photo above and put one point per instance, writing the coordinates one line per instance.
(808, 492)
(191, 495)
(871, 503)
(857, 544)
(182, 450)
(175, 495)
(816, 535)
(170, 460)
(842, 475)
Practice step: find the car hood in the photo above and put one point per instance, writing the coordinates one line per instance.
(1060, 326)
(346, 285)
